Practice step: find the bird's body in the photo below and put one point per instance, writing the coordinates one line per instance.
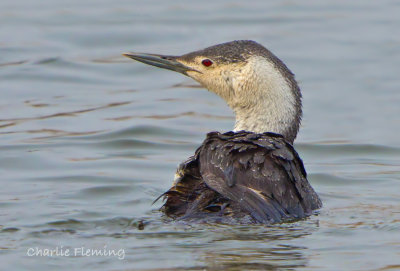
(253, 174)
(243, 177)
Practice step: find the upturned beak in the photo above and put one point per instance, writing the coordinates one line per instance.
(161, 61)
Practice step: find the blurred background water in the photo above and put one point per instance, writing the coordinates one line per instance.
(89, 139)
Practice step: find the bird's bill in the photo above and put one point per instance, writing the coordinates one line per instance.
(161, 61)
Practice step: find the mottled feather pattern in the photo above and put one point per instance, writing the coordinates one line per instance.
(242, 176)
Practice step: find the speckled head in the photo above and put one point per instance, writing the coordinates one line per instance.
(256, 84)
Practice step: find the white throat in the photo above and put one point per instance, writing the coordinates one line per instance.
(263, 99)
(262, 92)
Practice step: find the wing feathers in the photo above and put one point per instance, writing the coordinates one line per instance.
(240, 174)
(260, 172)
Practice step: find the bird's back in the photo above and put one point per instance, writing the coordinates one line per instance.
(242, 177)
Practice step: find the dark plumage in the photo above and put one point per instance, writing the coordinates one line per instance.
(242, 177)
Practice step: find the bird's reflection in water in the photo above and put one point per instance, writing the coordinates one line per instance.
(260, 248)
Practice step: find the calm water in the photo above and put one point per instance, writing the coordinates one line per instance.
(89, 139)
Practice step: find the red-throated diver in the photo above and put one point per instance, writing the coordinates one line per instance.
(252, 174)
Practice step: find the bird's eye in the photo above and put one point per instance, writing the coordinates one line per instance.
(206, 62)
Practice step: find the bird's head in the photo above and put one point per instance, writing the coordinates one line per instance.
(254, 82)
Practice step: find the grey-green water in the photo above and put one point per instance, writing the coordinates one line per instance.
(89, 139)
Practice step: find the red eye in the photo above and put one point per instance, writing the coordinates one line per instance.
(207, 62)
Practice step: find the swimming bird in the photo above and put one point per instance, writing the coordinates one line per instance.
(251, 174)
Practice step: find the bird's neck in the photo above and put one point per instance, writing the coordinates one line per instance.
(269, 101)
